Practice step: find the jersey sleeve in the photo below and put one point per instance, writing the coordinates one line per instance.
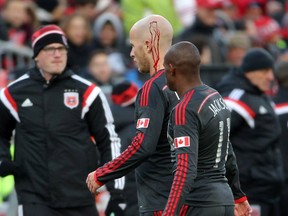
(186, 141)
(232, 174)
(7, 125)
(150, 115)
(101, 126)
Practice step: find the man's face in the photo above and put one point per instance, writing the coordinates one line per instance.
(52, 59)
(261, 78)
(138, 52)
(99, 68)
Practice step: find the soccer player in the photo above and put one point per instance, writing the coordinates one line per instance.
(198, 131)
(149, 151)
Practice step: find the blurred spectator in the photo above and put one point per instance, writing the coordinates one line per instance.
(281, 101)
(238, 43)
(85, 7)
(202, 43)
(108, 35)
(268, 30)
(52, 11)
(123, 109)
(255, 130)
(79, 36)
(21, 21)
(99, 71)
(185, 10)
(135, 10)
(206, 22)
(276, 10)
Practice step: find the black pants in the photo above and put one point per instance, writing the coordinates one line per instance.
(284, 201)
(37, 210)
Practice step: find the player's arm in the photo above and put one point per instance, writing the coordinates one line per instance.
(186, 148)
(7, 125)
(242, 206)
(232, 174)
(149, 124)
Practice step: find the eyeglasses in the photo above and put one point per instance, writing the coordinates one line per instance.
(52, 50)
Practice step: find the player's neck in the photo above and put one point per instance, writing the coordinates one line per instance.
(185, 87)
(155, 69)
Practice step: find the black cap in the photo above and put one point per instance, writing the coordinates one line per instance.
(257, 59)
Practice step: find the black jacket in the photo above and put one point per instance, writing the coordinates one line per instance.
(281, 101)
(255, 132)
(54, 123)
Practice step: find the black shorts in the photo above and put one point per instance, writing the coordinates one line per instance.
(196, 211)
(208, 211)
(37, 209)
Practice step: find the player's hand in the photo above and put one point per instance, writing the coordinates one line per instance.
(91, 183)
(243, 209)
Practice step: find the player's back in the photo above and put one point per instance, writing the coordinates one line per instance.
(212, 118)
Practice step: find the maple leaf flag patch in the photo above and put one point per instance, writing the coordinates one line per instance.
(142, 123)
(180, 142)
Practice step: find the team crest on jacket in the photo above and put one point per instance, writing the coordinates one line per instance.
(71, 99)
(183, 141)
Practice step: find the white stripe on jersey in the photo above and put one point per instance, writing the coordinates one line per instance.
(281, 110)
(20, 210)
(236, 94)
(115, 140)
(25, 76)
(76, 77)
(241, 111)
(9, 106)
(92, 96)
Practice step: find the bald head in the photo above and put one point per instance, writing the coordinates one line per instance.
(153, 26)
(184, 56)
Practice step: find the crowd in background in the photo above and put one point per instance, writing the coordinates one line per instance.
(97, 33)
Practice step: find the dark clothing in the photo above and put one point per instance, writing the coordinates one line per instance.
(125, 127)
(281, 105)
(78, 57)
(208, 211)
(54, 122)
(255, 132)
(35, 209)
(199, 137)
(149, 150)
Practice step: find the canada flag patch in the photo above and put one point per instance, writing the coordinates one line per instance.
(180, 142)
(143, 123)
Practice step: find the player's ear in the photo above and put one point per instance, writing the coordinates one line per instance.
(172, 69)
(148, 46)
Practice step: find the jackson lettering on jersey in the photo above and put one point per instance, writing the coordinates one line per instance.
(217, 105)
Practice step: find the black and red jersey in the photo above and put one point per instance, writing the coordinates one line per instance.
(54, 122)
(199, 129)
(149, 151)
